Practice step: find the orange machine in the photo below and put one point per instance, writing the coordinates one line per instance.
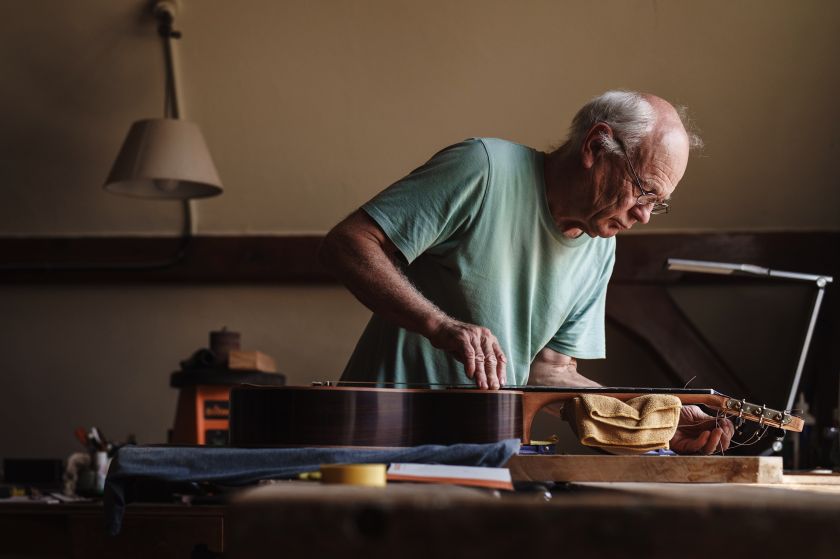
(204, 405)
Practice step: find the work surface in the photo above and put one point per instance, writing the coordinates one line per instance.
(798, 515)
(591, 519)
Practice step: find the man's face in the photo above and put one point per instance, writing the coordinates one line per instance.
(660, 164)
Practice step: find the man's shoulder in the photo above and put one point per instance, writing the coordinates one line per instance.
(508, 159)
(487, 149)
(501, 146)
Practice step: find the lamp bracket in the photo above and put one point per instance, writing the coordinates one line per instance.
(165, 11)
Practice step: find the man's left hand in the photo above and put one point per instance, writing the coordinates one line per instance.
(701, 433)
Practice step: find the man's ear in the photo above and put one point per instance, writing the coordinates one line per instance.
(593, 144)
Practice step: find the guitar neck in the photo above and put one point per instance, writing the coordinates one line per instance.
(536, 397)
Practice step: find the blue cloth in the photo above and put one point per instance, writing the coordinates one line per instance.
(241, 466)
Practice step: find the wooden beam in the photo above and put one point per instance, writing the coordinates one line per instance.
(115, 260)
(641, 258)
(293, 259)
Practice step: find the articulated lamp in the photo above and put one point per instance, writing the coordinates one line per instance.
(165, 158)
(705, 267)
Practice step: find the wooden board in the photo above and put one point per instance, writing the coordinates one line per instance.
(251, 361)
(812, 478)
(675, 469)
(812, 482)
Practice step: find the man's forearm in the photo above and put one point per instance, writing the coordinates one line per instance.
(360, 262)
(551, 368)
(566, 374)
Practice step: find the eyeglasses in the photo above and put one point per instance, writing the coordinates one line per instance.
(646, 198)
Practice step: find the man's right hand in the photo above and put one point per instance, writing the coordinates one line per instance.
(476, 347)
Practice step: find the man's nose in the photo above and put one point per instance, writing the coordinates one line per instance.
(643, 212)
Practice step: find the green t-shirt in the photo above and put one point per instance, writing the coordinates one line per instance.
(474, 225)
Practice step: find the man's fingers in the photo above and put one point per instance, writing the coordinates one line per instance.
(694, 445)
(713, 440)
(469, 361)
(502, 371)
(480, 377)
(490, 362)
(728, 432)
(501, 360)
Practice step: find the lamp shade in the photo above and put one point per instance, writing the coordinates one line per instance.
(164, 158)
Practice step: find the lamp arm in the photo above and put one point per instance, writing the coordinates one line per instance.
(821, 281)
(803, 355)
(165, 13)
(708, 267)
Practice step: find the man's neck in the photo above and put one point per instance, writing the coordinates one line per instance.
(565, 191)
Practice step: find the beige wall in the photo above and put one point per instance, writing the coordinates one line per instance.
(82, 356)
(312, 107)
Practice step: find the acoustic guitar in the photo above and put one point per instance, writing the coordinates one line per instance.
(328, 415)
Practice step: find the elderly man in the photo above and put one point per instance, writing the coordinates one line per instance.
(491, 261)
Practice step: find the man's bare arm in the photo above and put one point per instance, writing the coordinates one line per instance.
(552, 368)
(359, 253)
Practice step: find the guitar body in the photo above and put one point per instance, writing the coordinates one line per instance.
(386, 417)
(375, 417)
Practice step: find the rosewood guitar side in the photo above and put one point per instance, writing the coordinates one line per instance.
(375, 417)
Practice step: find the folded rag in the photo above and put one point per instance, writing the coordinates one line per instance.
(636, 426)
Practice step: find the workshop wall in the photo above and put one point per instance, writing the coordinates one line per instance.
(309, 109)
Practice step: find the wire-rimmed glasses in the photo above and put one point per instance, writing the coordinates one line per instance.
(646, 198)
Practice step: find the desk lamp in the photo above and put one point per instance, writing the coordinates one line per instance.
(725, 268)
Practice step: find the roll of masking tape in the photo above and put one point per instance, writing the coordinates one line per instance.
(369, 475)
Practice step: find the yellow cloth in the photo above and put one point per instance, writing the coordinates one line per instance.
(636, 426)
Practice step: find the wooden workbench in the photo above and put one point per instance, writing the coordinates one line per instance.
(798, 516)
(583, 519)
(77, 530)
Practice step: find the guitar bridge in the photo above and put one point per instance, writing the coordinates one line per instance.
(760, 413)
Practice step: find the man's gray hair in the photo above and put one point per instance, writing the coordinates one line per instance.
(630, 117)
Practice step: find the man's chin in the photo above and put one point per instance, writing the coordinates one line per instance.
(607, 230)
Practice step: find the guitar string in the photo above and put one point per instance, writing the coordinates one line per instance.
(720, 441)
(754, 438)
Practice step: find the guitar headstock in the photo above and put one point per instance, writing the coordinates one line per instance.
(762, 414)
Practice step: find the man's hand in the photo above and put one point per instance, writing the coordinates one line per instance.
(700, 433)
(474, 346)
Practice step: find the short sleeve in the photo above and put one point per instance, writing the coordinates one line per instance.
(436, 201)
(582, 335)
